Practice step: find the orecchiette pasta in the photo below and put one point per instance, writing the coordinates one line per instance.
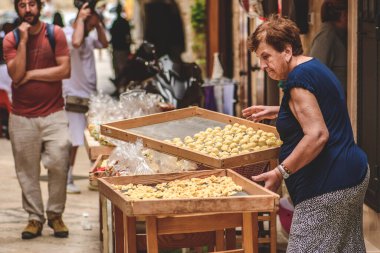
(231, 140)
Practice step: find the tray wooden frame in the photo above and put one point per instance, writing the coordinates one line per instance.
(121, 130)
(94, 148)
(258, 199)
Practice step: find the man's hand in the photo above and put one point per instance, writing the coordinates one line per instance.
(24, 80)
(24, 29)
(257, 113)
(84, 12)
(272, 179)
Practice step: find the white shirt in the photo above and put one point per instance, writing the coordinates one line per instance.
(5, 80)
(83, 72)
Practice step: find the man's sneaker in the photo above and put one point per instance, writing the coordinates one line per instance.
(60, 229)
(72, 188)
(32, 230)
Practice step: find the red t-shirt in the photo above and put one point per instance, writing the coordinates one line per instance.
(37, 98)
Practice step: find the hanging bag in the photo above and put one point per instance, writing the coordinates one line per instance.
(76, 104)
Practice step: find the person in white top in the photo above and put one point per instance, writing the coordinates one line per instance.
(5, 80)
(83, 74)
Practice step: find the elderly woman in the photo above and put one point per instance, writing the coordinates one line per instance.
(325, 172)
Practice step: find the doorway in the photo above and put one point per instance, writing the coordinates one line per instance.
(369, 93)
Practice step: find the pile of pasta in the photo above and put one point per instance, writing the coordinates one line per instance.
(189, 188)
(231, 140)
(95, 133)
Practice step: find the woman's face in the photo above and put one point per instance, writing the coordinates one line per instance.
(275, 63)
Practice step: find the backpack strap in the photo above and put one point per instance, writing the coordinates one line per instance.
(49, 34)
(16, 34)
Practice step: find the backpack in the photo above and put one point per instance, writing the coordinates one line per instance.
(49, 33)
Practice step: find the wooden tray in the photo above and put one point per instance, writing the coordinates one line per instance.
(256, 199)
(94, 148)
(155, 128)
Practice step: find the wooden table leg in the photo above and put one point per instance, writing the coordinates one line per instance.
(119, 229)
(273, 232)
(130, 234)
(250, 233)
(100, 219)
(104, 223)
(151, 234)
(219, 240)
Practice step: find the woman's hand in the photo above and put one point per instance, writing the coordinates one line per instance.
(272, 179)
(257, 113)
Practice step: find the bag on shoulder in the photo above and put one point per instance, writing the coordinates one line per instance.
(76, 104)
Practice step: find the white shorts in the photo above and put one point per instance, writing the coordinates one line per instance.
(77, 125)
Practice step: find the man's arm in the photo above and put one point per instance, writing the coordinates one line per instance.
(78, 34)
(79, 26)
(102, 35)
(52, 74)
(17, 66)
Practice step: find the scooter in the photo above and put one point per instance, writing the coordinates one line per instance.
(178, 84)
(138, 67)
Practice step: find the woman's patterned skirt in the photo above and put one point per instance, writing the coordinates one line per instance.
(331, 223)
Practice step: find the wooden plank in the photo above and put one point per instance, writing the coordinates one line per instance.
(208, 205)
(250, 232)
(249, 158)
(155, 118)
(130, 234)
(101, 218)
(198, 223)
(273, 232)
(104, 224)
(219, 240)
(231, 251)
(353, 64)
(119, 229)
(264, 241)
(180, 240)
(151, 234)
(123, 130)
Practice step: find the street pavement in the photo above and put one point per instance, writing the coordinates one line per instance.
(13, 218)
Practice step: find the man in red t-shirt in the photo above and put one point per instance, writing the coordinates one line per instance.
(38, 126)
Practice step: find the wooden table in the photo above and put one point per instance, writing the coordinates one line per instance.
(170, 229)
(94, 148)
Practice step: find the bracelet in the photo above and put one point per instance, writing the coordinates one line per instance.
(284, 174)
(286, 169)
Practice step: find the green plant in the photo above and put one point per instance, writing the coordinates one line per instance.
(198, 23)
(198, 15)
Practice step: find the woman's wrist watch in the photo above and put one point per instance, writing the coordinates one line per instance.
(284, 171)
